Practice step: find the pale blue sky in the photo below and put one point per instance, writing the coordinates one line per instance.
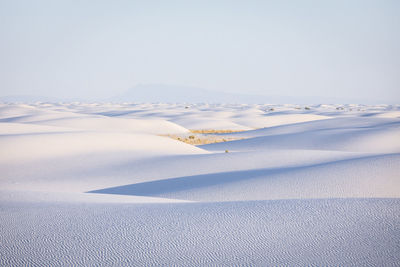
(345, 49)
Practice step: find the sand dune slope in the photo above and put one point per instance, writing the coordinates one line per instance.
(88, 184)
(376, 176)
(342, 232)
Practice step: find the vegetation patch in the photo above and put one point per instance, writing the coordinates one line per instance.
(203, 137)
(215, 131)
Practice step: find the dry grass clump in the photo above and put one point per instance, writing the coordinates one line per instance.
(203, 137)
(215, 131)
(201, 140)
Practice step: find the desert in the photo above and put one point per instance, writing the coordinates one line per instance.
(105, 184)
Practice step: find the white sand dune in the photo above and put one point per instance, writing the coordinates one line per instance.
(12, 128)
(96, 184)
(68, 119)
(342, 232)
(277, 119)
(368, 177)
(343, 134)
(49, 145)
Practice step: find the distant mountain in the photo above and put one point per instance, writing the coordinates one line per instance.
(154, 93)
(39, 98)
(27, 99)
(181, 94)
(160, 93)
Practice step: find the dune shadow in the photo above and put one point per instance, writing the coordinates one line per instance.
(172, 185)
(117, 113)
(187, 183)
(15, 118)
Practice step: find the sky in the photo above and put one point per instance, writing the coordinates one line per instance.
(91, 49)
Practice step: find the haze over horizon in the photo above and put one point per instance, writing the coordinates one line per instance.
(199, 133)
(346, 50)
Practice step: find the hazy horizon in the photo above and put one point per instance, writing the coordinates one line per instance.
(162, 93)
(345, 50)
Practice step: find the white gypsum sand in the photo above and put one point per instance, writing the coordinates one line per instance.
(103, 184)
